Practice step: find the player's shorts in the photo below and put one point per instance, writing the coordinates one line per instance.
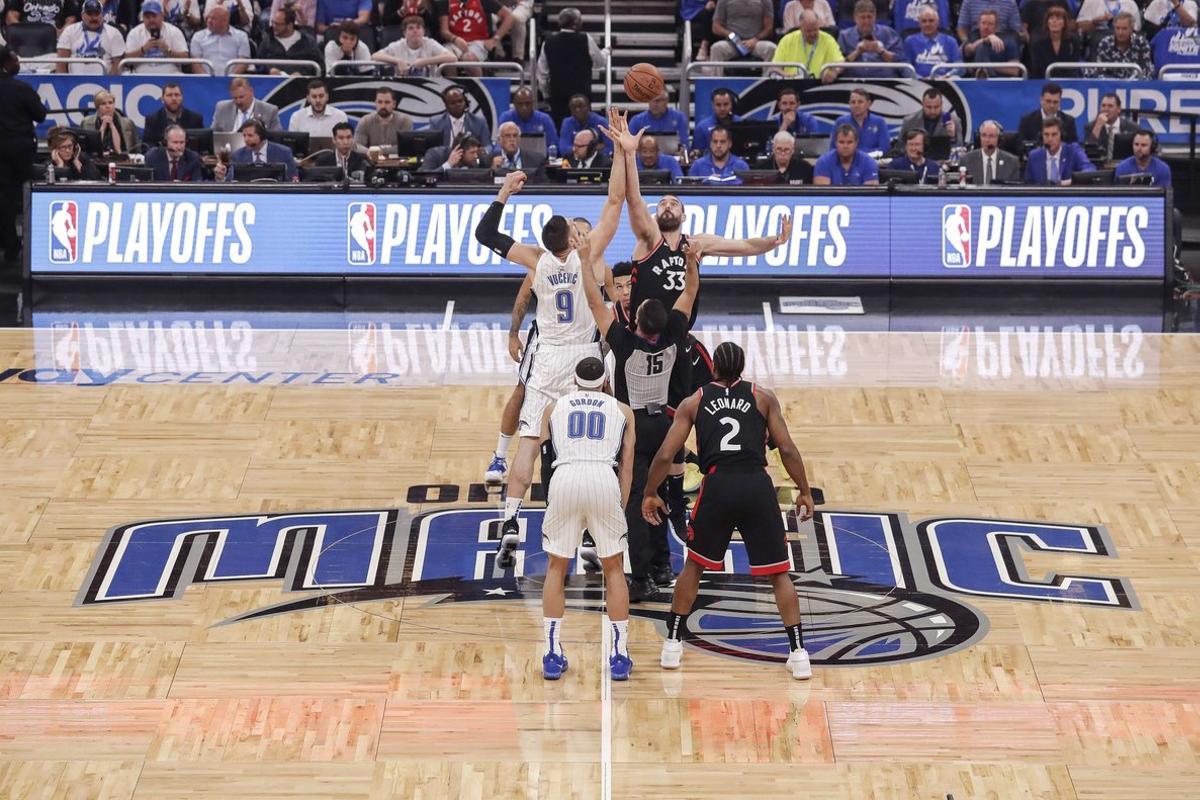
(527, 356)
(551, 375)
(584, 495)
(745, 500)
(702, 366)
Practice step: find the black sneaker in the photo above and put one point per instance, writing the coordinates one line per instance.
(510, 539)
(662, 576)
(641, 590)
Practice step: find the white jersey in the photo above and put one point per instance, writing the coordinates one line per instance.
(563, 316)
(587, 427)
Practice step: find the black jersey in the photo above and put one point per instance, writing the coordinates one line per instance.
(646, 371)
(730, 430)
(661, 274)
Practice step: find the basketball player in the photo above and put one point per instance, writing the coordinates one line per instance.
(642, 374)
(564, 336)
(588, 432)
(732, 420)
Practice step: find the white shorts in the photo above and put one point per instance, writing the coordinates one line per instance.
(475, 48)
(550, 374)
(586, 495)
(527, 356)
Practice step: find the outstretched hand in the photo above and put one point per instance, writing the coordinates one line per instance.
(618, 131)
(583, 245)
(693, 254)
(785, 230)
(513, 183)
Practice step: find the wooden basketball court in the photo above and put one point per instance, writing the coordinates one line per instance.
(405, 697)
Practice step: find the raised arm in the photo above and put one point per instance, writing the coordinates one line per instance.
(520, 305)
(712, 245)
(653, 507)
(591, 289)
(625, 145)
(488, 234)
(610, 214)
(691, 279)
(788, 453)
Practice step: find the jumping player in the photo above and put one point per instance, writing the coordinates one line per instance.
(589, 432)
(732, 419)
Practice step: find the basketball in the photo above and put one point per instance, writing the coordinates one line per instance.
(643, 82)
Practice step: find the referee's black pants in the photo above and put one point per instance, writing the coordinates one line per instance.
(16, 165)
(647, 543)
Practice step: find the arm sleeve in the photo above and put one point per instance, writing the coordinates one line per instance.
(488, 234)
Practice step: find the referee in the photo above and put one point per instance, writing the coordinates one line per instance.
(642, 378)
(20, 111)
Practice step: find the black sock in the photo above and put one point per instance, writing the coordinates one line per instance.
(794, 637)
(675, 626)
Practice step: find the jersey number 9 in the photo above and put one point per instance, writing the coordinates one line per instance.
(564, 301)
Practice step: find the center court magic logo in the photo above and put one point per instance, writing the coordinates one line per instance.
(874, 588)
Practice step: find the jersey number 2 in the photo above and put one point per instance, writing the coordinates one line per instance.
(727, 443)
(590, 424)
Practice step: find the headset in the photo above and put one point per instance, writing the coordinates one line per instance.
(1153, 139)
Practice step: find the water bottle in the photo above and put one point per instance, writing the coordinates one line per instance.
(50, 177)
(962, 177)
(552, 153)
(112, 172)
(941, 178)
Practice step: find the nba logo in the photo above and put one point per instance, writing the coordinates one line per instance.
(64, 345)
(956, 236)
(360, 234)
(64, 232)
(364, 347)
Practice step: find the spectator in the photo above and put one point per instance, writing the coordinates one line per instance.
(784, 159)
(581, 118)
(305, 11)
(466, 28)
(287, 43)
(914, 159)
(1175, 45)
(810, 46)
(566, 62)
(718, 165)
(20, 111)
(1033, 15)
(722, 108)
(59, 13)
(1144, 162)
(467, 153)
(122, 14)
(988, 164)
(155, 38)
(382, 126)
(70, 162)
(845, 164)
(232, 114)
(658, 118)
(1171, 13)
(1030, 129)
(172, 112)
(870, 130)
(650, 158)
(521, 11)
(416, 55)
(743, 30)
(700, 14)
(456, 120)
(1056, 43)
(348, 47)
(791, 118)
(930, 46)
(868, 42)
(343, 154)
(318, 117)
(117, 134)
(508, 154)
(933, 118)
(1099, 15)
(91, 38)
(1007, 18)
(528, 119)
(794, 8)
(1102, 131)
(333, 12)
(257, 151)
(906, 14)
(173, 161)
(989, 47)
(219, 43)
(1055, 161)
(397, 12)
(1123, 46)
(586, 152)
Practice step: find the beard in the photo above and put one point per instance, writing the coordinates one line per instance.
(668, 222)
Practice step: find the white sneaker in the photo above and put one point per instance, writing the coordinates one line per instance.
(672, 654)
(798, 664)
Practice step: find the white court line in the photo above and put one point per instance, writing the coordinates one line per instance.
(448, 315)
(605, 710)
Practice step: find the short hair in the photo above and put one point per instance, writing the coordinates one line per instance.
(914, 133)
(349, 26)
(622, 269)
(845, 129)
(858, 90)
(102, 96)
(581, 96)
(1124, 15)
(385, 90)
(58, 135)
(556, 234)
(792, 90)
(289, 14)
(1051, 122)
(451, 89)
(720, 129)
(571, 18)
(239, 82)
(174, 126)
(863, 6)
(783, 137)
(342, 126)
(413, 19)
(589, 370)
(931, 93)
(171, 85)
(259, 129)
(508, 125)
(584, 220)
(728, 361)
(1111, 96)
(522, 90)
(999, 128)
(315, 83)
(929, 9)
(651, 316)
(466, 140)
(990, 12)
(1051, 88)
(723, 90)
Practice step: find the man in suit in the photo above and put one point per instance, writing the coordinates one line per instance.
(173, 161)
(467, 153)
(989, 164)
(171, 113)
(232, 114)
(1030, 129)
(343, 154)
(258, 150)
(457, 121)
(508, 154)
(1103, 130)
(933, 119)
(1055, 161)
(586, 152)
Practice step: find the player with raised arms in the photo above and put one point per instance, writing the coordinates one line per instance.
(732, 420)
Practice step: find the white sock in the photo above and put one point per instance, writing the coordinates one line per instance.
(620, 631)
(553, 628)
(512, 506)
(502, 445)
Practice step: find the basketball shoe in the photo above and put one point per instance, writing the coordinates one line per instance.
(672, 654)
(553, 666)
(620, 666)
(510, 539)
(797, 662)
(496, 470)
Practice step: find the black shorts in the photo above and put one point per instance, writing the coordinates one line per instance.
(701, 361)
(744, 500)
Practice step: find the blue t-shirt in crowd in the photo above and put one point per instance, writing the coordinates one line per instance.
(571, 126)
(671, 165)
(673, 120)
(805, 124)
(923, 52)
(849, 39)
(1176, 46)
(704, 129)
(704, 167)
(862, 169)
(906, 14)
(1157, 169)
(331, 11)
(538, 122)
(927, 172)
(873, 134)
